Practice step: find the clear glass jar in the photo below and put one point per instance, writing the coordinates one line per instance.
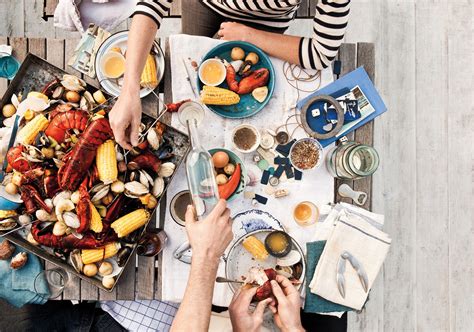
(352, 160)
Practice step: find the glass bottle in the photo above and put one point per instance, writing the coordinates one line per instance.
(200, 172)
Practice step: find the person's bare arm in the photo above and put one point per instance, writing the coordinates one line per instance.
(208, 238)
(126, 114)
(315, 52)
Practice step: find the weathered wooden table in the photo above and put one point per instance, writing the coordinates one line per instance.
(143, 280)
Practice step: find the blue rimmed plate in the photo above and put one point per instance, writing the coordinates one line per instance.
(119, 39)
(247, 106)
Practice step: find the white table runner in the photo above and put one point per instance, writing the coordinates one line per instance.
(316, 186)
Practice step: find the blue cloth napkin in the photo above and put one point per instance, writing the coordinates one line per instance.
(18, 286)
(315, 303)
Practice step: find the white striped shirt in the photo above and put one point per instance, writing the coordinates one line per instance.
(317, 52)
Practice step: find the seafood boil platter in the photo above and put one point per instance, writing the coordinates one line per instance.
(77, 199)
(236, 79)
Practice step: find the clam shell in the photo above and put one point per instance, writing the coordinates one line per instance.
(158, 187)
(71, 219)
(143, 179)
(292, 258)
(153, 139)
(166, 170)
(135, 189)
(75, 260)
(100, 194)
(146, 177)
(72, 86)
(7, 224)
(285, 271)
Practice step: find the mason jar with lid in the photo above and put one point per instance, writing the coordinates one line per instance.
(352, 160)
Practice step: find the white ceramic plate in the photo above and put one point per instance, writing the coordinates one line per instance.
(239, 261)
(252, 220)
(119, 39)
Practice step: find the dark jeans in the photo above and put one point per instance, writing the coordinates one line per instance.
(199, 20)
(56, 316)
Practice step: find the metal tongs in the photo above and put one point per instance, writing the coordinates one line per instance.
(356, 265)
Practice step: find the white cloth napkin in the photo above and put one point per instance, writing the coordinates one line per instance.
(316, 186)
(75, 15)
(359, 233)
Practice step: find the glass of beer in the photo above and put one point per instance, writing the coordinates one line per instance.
(306, 213)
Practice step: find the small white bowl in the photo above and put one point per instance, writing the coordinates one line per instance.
(220, 64)
(257, 141)
(106, 57)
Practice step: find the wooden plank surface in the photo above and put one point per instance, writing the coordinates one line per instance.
(49, 7)
(395, 181)
(12, 18)
(460, 167)
(348, 57)
(34, 24)
(432, 291)
(364, 135)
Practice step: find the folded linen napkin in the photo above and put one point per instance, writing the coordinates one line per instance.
(368, 244)
(314, 303)
(17, 286)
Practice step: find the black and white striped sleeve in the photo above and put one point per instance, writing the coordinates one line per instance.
(329, 26)
(154, 9)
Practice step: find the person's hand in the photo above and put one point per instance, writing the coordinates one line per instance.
(287, 311)
(240, 316)
(234, 31)
(209, 237)
(125, 118)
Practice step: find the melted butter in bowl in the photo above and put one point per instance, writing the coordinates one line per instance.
(212, 72)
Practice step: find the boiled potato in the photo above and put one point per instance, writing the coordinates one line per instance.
(252, 57)
(237, 54)
(8, 110)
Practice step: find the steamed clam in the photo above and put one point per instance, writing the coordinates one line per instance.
(145, 178)
(292, 258)
(75, 260)
(71, 219)
(153, 139)
(7, 224)
(158, 187)
(166, 170)
(135, 189)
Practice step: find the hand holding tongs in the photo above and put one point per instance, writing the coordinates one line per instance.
(341, 268)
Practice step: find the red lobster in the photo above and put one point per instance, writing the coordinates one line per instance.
(64, 121)
(32, 199)
(83, 207)
(146, 160)
(81, 157)
(255, 80)
(88, 241)
(17, 161)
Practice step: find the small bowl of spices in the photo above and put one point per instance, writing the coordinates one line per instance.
(246, 138)
(306, 154)
(278, 244)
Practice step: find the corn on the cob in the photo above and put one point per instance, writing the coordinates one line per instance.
(106, 161)
(130, 222)
(149, 76)
(28, 133)
(211, 95)
(96, 220)
(7, 214)
(255, 247)
(96, 255)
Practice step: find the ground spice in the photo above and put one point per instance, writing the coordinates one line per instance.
(245, 138)
(305, 155)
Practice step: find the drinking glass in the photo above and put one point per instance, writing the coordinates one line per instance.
(8, 66)
(56, 280)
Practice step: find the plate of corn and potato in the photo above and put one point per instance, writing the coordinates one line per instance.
(152, 72)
